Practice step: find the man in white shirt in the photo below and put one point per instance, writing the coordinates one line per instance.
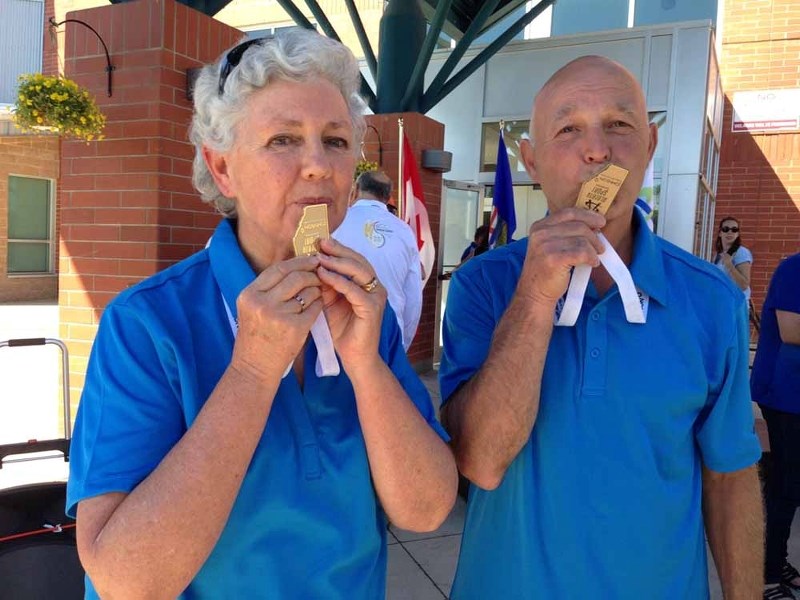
(389, 246)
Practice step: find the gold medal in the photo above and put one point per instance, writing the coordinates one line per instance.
(313, 227)
(599, 192)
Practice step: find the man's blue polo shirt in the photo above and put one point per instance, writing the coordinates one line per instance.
(775, 381)
(306, 523)
(604, 500)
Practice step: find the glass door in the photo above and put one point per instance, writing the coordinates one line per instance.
(462, 211)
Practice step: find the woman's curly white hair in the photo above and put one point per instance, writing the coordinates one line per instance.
(293, 55)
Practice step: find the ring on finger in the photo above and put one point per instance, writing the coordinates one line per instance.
(300, 301)
(370, 286)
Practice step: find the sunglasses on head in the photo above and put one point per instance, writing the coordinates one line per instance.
(233, 58)
(726, 229)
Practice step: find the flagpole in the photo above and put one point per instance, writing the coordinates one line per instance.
(401, 192)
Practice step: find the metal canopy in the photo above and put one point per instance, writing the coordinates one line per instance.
(410, 30)
(463, 12)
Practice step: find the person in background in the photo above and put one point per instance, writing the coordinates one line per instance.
(210, 459)
(479, 244)
(775, 386)
(732, 258)
(389, 246)
(600, 453)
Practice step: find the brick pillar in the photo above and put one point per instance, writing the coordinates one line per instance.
(50, 45)
(423, 133)
(128, 208)
(759, 174)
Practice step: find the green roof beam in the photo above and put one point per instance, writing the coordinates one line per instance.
(423, 58)
(369, 54)
(294, 12)
(323, 21)
(461, 47)
(429, 101)
(402, 36)
(299, 18)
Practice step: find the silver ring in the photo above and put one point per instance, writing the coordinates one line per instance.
(301, 302)
(370, 285)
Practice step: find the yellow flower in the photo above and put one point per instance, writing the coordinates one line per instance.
(21, 97)
(83, 120)
(39, 120)
(29, 102)
(35, 113)
(38, 88)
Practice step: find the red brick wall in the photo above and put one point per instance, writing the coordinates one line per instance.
(50, 45)
(423, 133)
(33, 156)
(759, 175)
(127, 202)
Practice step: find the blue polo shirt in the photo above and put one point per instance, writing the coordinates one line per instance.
(307, 522)
(775, 381)
(604, 500)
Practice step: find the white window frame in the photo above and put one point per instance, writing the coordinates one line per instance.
(51, 241)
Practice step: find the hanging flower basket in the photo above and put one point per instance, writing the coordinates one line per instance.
(362, 166)
(57, 105)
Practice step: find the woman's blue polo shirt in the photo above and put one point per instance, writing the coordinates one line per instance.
(604, 500)
(307, 522)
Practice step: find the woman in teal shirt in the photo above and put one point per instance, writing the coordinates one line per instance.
(203, 467)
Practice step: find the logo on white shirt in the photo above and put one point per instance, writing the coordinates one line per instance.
(376, 233)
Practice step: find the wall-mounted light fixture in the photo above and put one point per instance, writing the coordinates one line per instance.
(380, 145)
(437, 160)
(109, 66)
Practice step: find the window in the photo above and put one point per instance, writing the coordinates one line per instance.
(30, 225)
(21, 29)
(513, 133)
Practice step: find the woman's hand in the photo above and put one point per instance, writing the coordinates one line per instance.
(275, 313)
(354, 314)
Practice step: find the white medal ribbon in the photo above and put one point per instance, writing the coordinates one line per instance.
(327, 363)
(634, 302)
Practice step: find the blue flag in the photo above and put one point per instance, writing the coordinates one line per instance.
(504, 218)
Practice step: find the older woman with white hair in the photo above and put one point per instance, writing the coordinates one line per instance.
(203, 467)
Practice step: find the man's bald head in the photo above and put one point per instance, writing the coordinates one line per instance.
(590, 113)
(579, 69)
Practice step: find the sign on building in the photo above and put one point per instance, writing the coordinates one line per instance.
(766, 111)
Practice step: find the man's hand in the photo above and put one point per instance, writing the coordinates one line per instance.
(557, 243)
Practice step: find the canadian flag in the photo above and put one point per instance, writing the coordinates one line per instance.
(416, 215)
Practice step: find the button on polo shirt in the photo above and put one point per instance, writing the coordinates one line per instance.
(604, 500)
(306, 522)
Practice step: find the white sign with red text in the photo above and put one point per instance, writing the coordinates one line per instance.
(766, 111)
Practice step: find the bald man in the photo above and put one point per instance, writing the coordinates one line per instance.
(599, 452)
